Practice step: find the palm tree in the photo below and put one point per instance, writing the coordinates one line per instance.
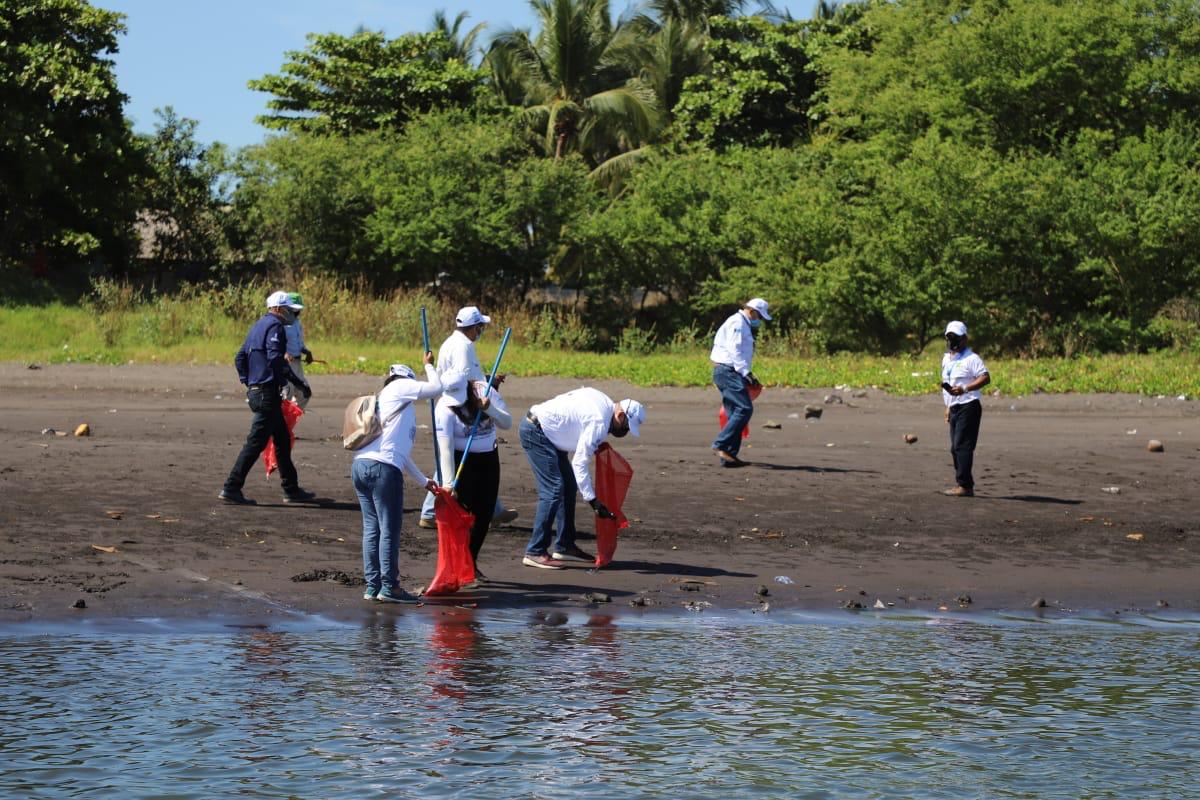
(462, 48)
(577, 92)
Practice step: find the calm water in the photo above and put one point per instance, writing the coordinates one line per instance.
(442, 703)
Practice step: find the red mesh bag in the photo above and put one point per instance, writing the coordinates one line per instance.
(291, 413)
(613, 476)
(723, 415)
(455, 565)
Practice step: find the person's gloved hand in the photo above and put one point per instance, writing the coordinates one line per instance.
(751, 380)
(601, 509)
(308, 359)
(306, 390)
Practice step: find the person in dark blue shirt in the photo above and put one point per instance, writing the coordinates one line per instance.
(262, 367)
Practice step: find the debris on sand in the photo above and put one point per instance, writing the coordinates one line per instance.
(772, 425)
(103, 548)
(793, 415)
(910, 438)
(813, 412)
(115, 514)
(1162, 604)
(784, 579)
(1136, 536)
(880, 604)
(1111, 489)
(696, 605)
(762, 591)
(597, 597)
(33, 366)
(83, 429)
(859, 393)
(963, 600)
(1039, 603)
(1154, 446)
(334, 575)
(79, 604)
(853, 605)
(833, 398)
(638, 602)
(690, 586)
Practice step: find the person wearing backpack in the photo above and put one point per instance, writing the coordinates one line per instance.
(378, 473)
(263, 369)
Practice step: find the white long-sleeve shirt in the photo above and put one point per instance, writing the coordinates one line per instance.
(734, 344)
(577, 422)
(394, 445)
(452, 432)
(457, 357)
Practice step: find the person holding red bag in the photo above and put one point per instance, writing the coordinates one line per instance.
(732, 357)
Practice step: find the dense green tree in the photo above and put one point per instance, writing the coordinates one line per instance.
(577, 93)
(758, 89)
(464, 45)
(67, 156)
(351, 84)
(462, 200)
(181, 206)
(1013, 73)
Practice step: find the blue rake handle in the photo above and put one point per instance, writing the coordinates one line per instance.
(437, 461)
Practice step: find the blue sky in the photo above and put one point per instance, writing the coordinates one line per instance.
(197, 56)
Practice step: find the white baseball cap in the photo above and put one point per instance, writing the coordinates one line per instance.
(470, 315)
(279, 300)
(957, 328)
(635, 412)
(759, 305)
(401, 371)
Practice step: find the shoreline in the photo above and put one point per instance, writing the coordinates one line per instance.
(840, 505)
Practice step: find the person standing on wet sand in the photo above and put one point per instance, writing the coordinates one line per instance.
(559, 437)
(263, 369)
(378, 474)
(732, 357)
(963, 375)
(297, 354)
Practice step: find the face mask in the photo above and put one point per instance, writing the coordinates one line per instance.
(953, 342)
(756, 323)
(289, 316)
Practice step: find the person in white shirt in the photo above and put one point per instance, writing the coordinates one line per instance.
(378, 474)
(732, 356)
(479, 483)
(297, 355)
(458, 362)
(963, 375)
(559, 437)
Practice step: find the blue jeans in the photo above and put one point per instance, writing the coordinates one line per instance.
(556, 491)
(736, 397)
(380, 489)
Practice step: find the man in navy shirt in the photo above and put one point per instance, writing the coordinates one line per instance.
(263, 369)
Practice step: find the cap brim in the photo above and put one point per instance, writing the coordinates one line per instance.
(765, 315)
(634, 425)
(485, 319)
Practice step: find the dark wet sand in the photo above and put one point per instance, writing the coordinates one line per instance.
(841, 506)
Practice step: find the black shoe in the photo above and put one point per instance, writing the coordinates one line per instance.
(299, 495)
(235, 497)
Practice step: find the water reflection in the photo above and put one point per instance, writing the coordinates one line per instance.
(454, 701)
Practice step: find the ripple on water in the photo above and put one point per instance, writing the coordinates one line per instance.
(450, 702)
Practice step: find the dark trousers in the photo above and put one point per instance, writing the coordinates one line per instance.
(478, 488)
(964, 433)
(266, 425)
(735, 394)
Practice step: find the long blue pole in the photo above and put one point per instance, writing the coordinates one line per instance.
(479, 413)
(437, 461)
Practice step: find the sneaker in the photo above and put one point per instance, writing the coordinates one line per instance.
(541, 562)
(959, 491)
(235, 497)
(370, 594)
(573, 553)
(427, 522)
(479, 580)
(506, 516)
(728, 459)
(299, 495)
(395, 595)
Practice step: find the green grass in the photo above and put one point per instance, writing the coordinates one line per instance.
(62, 334)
